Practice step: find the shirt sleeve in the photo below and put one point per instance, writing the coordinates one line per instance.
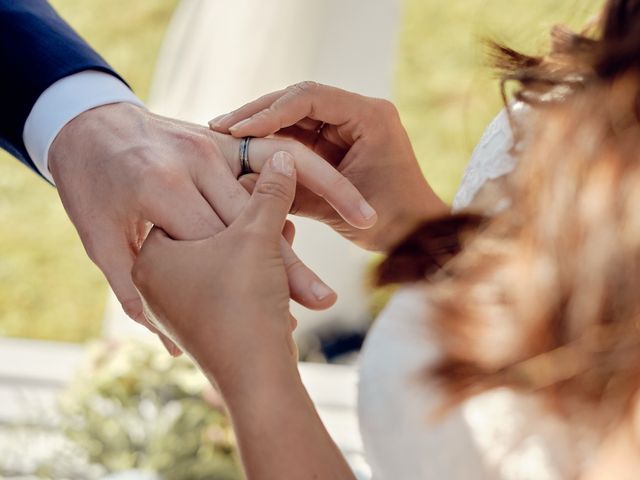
(37, 49)
(62, 102)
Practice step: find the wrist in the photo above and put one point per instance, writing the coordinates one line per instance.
(64, 100)
(88, 128)
(261, 390)
(256, 366)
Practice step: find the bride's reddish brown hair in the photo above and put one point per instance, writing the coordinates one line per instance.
(545, 295)
(605, 49)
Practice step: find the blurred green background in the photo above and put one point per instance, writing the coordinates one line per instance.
(445, 92)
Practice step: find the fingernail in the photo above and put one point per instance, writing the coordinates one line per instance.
(216, 122)
(282, 162)
(367, 210)
(320, 290)
(241, 124)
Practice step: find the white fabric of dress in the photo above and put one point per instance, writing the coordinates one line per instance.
(499, 435)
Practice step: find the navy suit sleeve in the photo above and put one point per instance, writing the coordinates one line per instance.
(37, 48)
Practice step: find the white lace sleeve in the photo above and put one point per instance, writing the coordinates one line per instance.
(491, 158)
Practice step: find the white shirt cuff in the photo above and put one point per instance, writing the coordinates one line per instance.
(62, 102)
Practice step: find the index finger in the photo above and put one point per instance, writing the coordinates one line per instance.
(222, 123)
(304, 100)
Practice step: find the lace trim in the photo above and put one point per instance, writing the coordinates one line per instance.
(491, 158)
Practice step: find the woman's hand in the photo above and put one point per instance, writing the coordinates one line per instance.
(225, 301)
(315, 175)
(362, 137)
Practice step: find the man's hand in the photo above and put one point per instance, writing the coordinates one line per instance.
(363, 138)
(119, 169)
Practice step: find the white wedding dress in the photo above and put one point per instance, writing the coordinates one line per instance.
(499, 435)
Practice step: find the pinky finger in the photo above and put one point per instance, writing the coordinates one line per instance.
(117, 268)
(224, 122)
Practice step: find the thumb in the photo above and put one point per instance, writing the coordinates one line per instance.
(272, 196)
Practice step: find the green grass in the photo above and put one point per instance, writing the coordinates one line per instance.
(48, 288)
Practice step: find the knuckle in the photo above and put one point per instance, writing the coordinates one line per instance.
(266, 113)
(293, 265)
(337, 183)
(269, 114)
(254, 234)
(133, 308)
(385, 108)
(195, 147)
(304, 88)
(294, 147)
(213, 144)
(273, 189)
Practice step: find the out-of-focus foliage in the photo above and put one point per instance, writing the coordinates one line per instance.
(446, 95)
(134, 407)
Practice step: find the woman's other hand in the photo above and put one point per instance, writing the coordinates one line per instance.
(225, 299)
(366, 142)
